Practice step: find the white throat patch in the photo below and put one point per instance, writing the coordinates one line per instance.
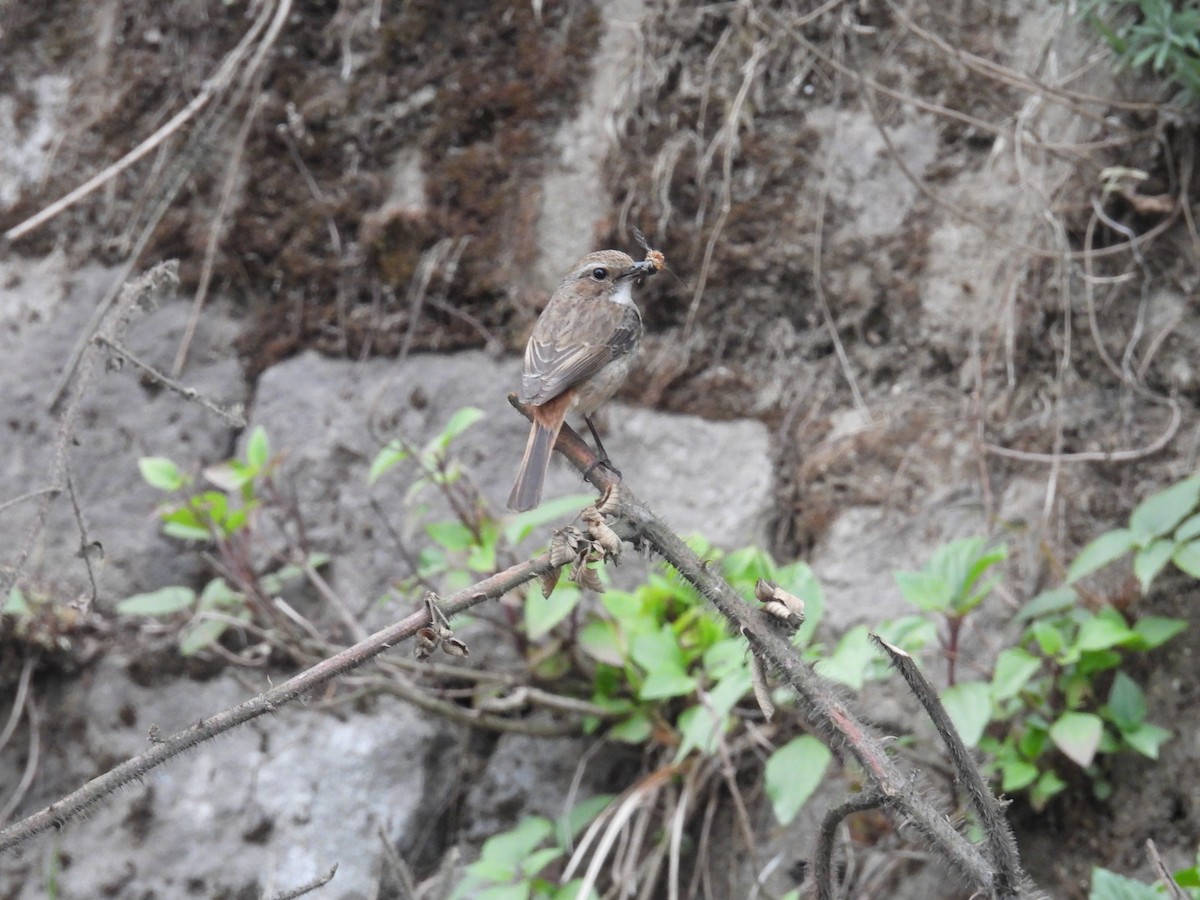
(624, 292)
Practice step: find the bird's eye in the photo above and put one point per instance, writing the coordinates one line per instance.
(600, 273)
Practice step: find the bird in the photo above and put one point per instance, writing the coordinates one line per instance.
(581, 350)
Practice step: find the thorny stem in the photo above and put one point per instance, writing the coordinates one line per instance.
(827, 714)
(834, 721)
(56, 814)
(823, 870)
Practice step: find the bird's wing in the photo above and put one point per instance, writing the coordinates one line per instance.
(554, 364)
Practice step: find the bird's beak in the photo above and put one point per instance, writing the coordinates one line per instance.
(642, 269)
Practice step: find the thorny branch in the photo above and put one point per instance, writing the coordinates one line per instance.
(997, 874)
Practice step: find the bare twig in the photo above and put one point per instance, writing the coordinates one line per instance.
(213, 88)
(216, 232)
(1173, 889)
(231, 414)
(18, 707)
(29, 496)
(34, 714)
(1002, 846)
(66, 808)
(307, 888)
(823, 869)
(147, 285)
(86, 544)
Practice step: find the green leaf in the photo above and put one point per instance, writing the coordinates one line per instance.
(17, 605)
(970, 708)
(1189, 529)
(700, 726)
(1033, 742)
(199, 634)
(1047, 603)
(1017, 774)
(217, 594)
(1078, 736)
(521, 525)
(1159, 513)
(1014, 668)
(658, 651)
(1189, 877)
(570, 891)
(793, 772)
(634, 730)
(163, 602)
(186, 532)
(509, 849)
(229, 476)
(1093, 661)
(850, 659)
(1105, 629)
(1146, 739)
(386, 458)
(662, 684)
(748, 564)
(1126, 703)
(1109, 546)
(539, 859)
(927, 591)
(543, 613)
(1187, 558)
(580, 817)
(452, 535)
(1050, 639)
(461, 421)
(1154, 631)
(726, 657)
(1048, 784)
(258, 449)
(602, 640)
(161, 473)
(1147, 563)
(1108, 885)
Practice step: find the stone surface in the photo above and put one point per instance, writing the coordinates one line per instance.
(120, 419)
(708, 477)
(267, 807)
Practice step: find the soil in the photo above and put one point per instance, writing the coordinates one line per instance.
(887, 229)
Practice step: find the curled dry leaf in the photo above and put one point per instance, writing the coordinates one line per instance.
(586, 577)
(602, 534)
(609, 503)
(426, 643)
(455, 647)
(564, 546)
(762, 693)
(549, 580)
(787, 608)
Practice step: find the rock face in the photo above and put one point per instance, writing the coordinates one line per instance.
(278, 802)
(883, 286)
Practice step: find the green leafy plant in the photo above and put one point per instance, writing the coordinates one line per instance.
(521, 864)
(1059, 696)
(951, 585)
(1164, 528)
(221, 516)
(1159, 34)
(663, 659)
(1108, 885)
(1063, 688)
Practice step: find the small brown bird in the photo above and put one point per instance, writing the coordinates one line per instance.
(581, 349)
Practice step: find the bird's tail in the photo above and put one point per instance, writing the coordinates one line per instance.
(527, 490)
